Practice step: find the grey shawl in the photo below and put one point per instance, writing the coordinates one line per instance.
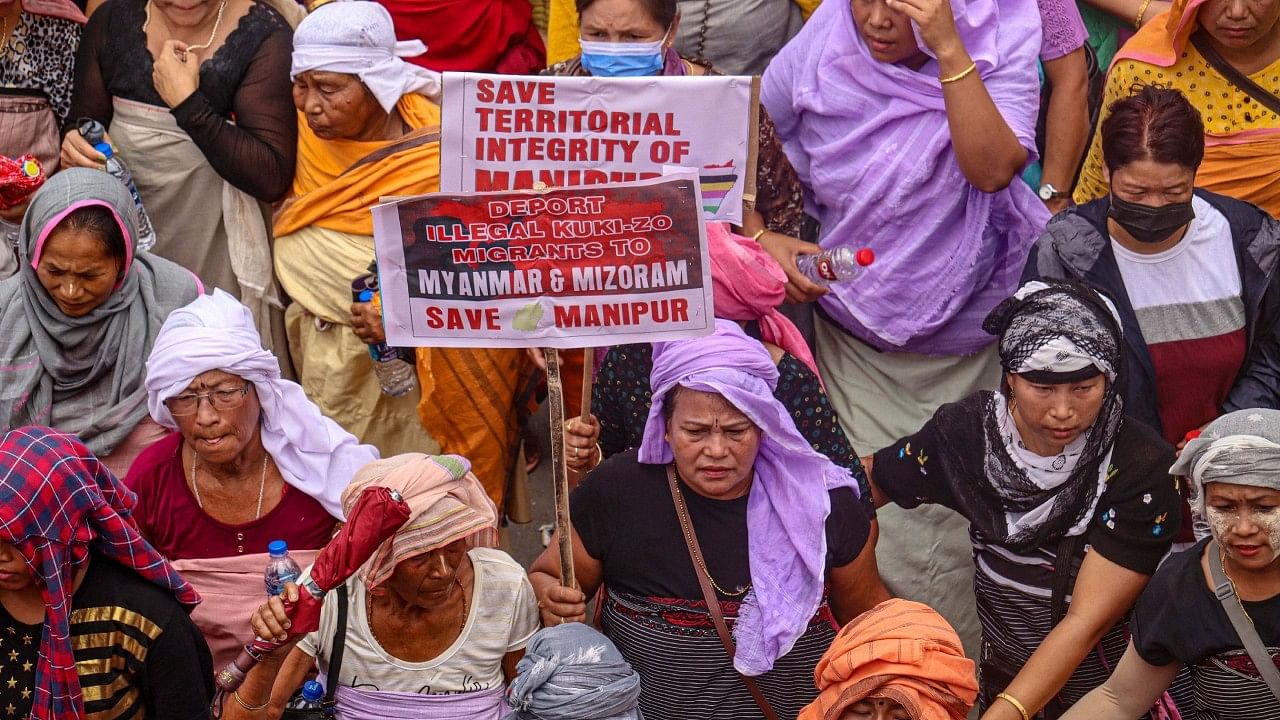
(83, 375)
(572, 672)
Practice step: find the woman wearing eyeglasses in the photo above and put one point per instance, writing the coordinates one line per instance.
(252, 461)
(81, 314)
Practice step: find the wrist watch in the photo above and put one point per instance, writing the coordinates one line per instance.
(1049, 192)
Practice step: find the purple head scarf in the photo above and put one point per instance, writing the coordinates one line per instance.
(788, 505)
(871, 144)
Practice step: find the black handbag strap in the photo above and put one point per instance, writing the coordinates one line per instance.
(1226, 592)
(1200, 39)
(339, 646)
(1063, 575)
(708, 595)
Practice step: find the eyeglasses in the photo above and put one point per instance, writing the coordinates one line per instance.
(220, 400)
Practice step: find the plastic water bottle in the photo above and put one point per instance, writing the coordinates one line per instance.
(839, 265)
(93, 132)
(395, 375)
(312, 696)
(281, 568)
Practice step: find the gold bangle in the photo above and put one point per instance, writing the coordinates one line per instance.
(962, 75)
(755, 237)
(1016, 705)
(251, 708)
(1142, 11)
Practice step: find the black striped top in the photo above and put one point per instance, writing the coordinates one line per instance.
(137, 652)
(1178, 619)
(654, 611)
(1133, 525)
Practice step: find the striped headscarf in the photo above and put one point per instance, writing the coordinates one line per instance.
(901, 651)
(57, 502)
(572, 672)
(447, 502)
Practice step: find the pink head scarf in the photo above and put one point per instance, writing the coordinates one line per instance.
(750, 285)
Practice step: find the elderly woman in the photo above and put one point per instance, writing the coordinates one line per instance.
(1224, 55)
(1070, 505)
(948, 223)
(94, 620)
(572, 672)
(250, 460)
(747, 286)
(1215, 608)
(1195, 275)
(898, 661)
(724, 514)
(368, 129)
(195, 96)
(435, 622)
(81, 314)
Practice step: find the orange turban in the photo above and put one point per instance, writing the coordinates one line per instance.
(901, 651)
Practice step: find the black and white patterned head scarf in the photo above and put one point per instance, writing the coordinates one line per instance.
(1052, 332)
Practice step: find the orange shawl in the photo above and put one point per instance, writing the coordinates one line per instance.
(337, 181)
(1245, 164)
(1160, 42)
(901, 651)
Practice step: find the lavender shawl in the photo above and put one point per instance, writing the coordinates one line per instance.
(788, 504)
(871, 144)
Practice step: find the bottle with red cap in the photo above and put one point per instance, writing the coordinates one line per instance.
(838, 265)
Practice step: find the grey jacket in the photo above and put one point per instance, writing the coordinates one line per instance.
(1076, 245)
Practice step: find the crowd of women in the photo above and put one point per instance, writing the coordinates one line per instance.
(1028, 465)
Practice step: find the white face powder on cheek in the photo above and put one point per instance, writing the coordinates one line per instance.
(1269, 523)
(1220, 522)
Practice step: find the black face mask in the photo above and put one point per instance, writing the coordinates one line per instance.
(1150, 224)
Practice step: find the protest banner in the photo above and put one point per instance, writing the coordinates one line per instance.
(509, 133)
(571, 267)
(566, 268)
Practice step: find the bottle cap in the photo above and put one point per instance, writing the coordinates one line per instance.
(92, 130)
(277, 547)
(865, 257)
(365, 296)
(105, 149)
(312, 691)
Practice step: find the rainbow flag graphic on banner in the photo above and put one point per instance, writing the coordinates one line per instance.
(717, 181)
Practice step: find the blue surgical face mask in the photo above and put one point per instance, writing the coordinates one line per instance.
(624, 59)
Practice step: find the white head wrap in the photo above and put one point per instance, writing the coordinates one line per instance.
(358, 38)
(215, 332)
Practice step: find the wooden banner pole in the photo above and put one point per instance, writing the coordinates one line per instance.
(564, 530)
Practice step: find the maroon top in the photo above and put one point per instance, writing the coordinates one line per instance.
(169, 517)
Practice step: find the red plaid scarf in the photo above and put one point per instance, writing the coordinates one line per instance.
(57, 502)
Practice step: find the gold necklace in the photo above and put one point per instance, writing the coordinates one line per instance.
(1222, 558)
(688, 534)
(190, 48)
(368, 612)
(262, 483)
(4, 28)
